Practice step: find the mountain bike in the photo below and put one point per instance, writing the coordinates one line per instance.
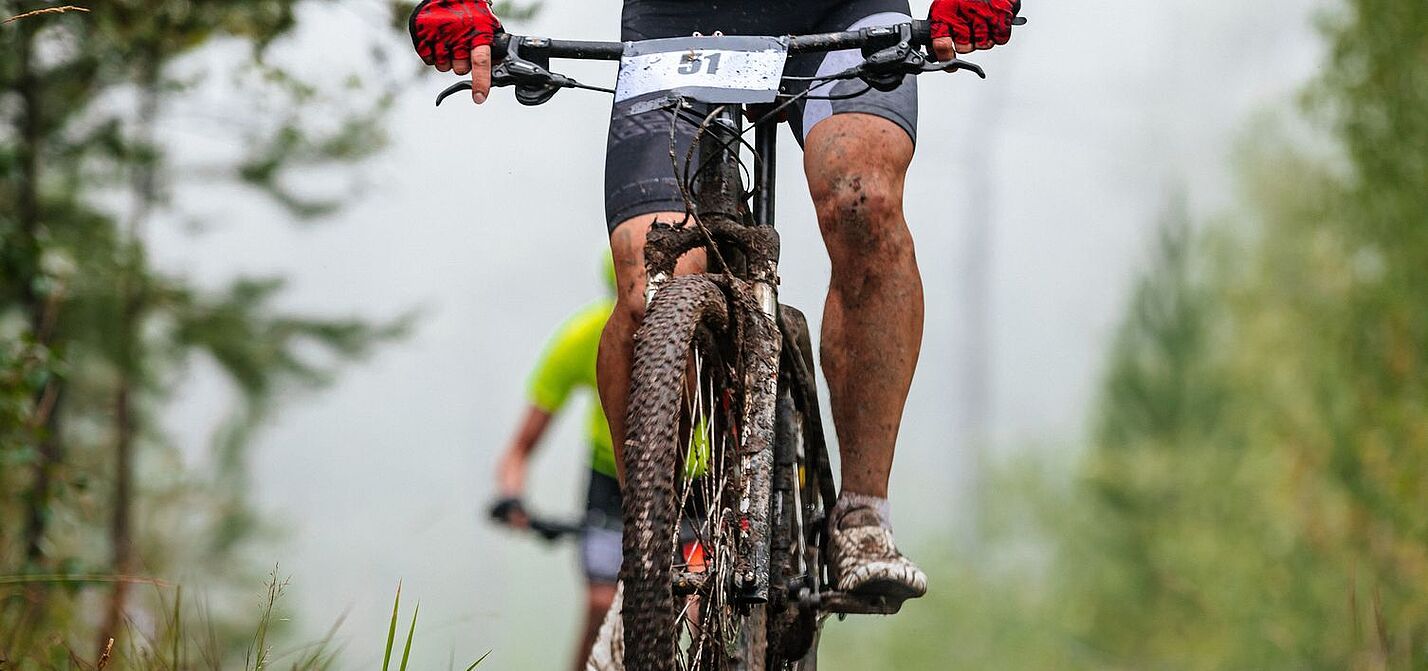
(727, 472)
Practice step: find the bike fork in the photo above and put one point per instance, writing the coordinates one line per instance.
(762, 349)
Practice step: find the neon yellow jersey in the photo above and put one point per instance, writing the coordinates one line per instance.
(568, 364)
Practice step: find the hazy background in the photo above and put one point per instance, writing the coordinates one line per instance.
(1172, 410)
(490, 221)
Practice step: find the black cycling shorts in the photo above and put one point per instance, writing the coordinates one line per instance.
(639, 175)
(600, 549)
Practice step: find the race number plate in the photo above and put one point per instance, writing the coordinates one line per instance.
(707, 69)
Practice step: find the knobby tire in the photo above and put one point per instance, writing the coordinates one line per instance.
(652, 455)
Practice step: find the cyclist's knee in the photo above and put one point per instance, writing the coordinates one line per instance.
(627, 246)
(860, 216)
(856, 164)
(630, 307)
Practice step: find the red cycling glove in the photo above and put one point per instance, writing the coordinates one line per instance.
(446, 30)
(980, 23)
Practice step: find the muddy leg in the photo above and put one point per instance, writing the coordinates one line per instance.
(872, 321)
(617, 343)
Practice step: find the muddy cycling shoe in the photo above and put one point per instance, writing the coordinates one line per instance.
(866, 562)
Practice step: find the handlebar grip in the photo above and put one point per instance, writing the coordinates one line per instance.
(922, 32)
(577, 49)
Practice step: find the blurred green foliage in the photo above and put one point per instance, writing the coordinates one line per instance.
(1256, 491)
(94, 337)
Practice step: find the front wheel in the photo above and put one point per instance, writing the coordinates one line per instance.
(681, 475)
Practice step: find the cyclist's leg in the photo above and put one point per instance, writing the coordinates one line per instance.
(598, 598)
(640, 189)
(617, 345)
(856, 155)
(872, 320)
(600, 557)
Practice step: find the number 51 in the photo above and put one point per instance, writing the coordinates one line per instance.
(693, 61)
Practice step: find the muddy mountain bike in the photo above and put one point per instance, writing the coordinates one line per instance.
(728, 478)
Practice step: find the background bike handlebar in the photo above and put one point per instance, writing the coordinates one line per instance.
(612, 51)
(554, 530)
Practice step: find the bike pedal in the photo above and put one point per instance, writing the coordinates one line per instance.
(844, 603)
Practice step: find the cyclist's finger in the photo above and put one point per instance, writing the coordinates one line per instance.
(442, 55)
(982, 35)
(962, 33)
(942, 48)
(1002, 34)
(480, 73)
(461, 60)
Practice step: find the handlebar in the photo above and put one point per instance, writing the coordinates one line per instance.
(612, 51)
(797, 44)
(553, 530)
(547, 528)
(895, 46)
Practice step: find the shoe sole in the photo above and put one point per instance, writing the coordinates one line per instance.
(887, 589)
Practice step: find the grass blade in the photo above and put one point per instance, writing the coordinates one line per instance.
(478, 661)
(392, 629)
(176, 630)
(411, 633)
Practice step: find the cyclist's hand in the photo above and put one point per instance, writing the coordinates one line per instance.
(968, 25)
(510, 512)
(456, 35)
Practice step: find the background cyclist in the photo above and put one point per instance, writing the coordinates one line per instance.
(566, 369)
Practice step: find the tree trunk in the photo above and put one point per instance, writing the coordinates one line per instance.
(133, 294)
(41, 310)
(120, 522)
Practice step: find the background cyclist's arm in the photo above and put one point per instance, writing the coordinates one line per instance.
(567, 360)
(515, 461)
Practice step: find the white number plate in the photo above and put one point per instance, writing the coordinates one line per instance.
(707, 69)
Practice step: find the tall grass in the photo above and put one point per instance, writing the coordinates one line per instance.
(179, 635)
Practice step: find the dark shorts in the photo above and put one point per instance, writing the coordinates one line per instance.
(639, 175)
(600, 550)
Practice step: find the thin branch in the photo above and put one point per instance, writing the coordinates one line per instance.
(83, 578)
(46, 10)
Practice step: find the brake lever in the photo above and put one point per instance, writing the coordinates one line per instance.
(952, 66)
(463, 85)
(533, 82)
